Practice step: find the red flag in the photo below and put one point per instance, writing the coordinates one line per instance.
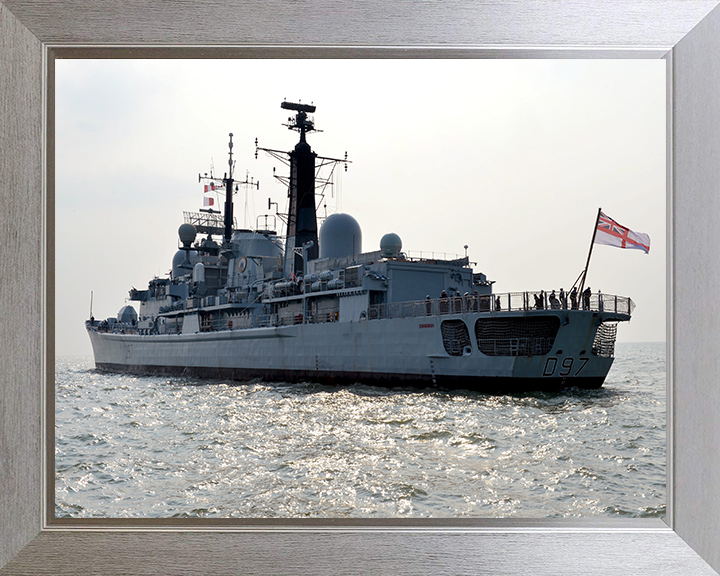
(210, 187)
(209, 201)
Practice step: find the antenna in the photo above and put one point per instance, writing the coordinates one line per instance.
(230, 161)
(301, 122)
(248, 184)
(298, 107)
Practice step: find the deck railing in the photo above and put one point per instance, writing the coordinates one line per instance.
(512, 301)
(271, 320)
(456, 304)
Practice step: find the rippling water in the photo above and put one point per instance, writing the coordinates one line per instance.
(128, 446)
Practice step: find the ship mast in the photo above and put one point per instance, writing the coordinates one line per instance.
(228, 180)
(211, 225)
(302, 222)
(302, 230)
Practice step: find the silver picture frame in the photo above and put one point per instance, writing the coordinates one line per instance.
(686, 33)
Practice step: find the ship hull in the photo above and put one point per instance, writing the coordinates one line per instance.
(489, 385)
(386, 352)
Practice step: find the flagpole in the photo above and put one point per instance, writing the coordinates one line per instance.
(584, 274)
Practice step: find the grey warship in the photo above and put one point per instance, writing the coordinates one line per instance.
(310, 305)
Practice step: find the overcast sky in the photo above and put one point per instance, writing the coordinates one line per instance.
(511, 157)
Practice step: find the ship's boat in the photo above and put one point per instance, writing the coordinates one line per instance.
(312, 306)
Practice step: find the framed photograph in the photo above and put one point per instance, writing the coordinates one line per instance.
(34, 542)
(488, 176)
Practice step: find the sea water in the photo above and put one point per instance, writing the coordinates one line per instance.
(129, 446)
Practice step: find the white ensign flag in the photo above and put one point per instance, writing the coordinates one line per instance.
(611, 233)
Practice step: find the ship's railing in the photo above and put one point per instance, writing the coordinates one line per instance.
(513, 301)
(456, 304)
(246, 321)
(111, 327)
(433, 256)
(312, 317)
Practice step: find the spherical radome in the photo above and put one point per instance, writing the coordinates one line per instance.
(390, 245)
(187, 233)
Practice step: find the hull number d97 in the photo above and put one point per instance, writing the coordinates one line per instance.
(564, 368)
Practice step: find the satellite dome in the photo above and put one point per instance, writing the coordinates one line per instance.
(390, 245)
(340, 236)
(127, 314)
(187, 233)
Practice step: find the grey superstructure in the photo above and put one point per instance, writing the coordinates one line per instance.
(246, 304)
